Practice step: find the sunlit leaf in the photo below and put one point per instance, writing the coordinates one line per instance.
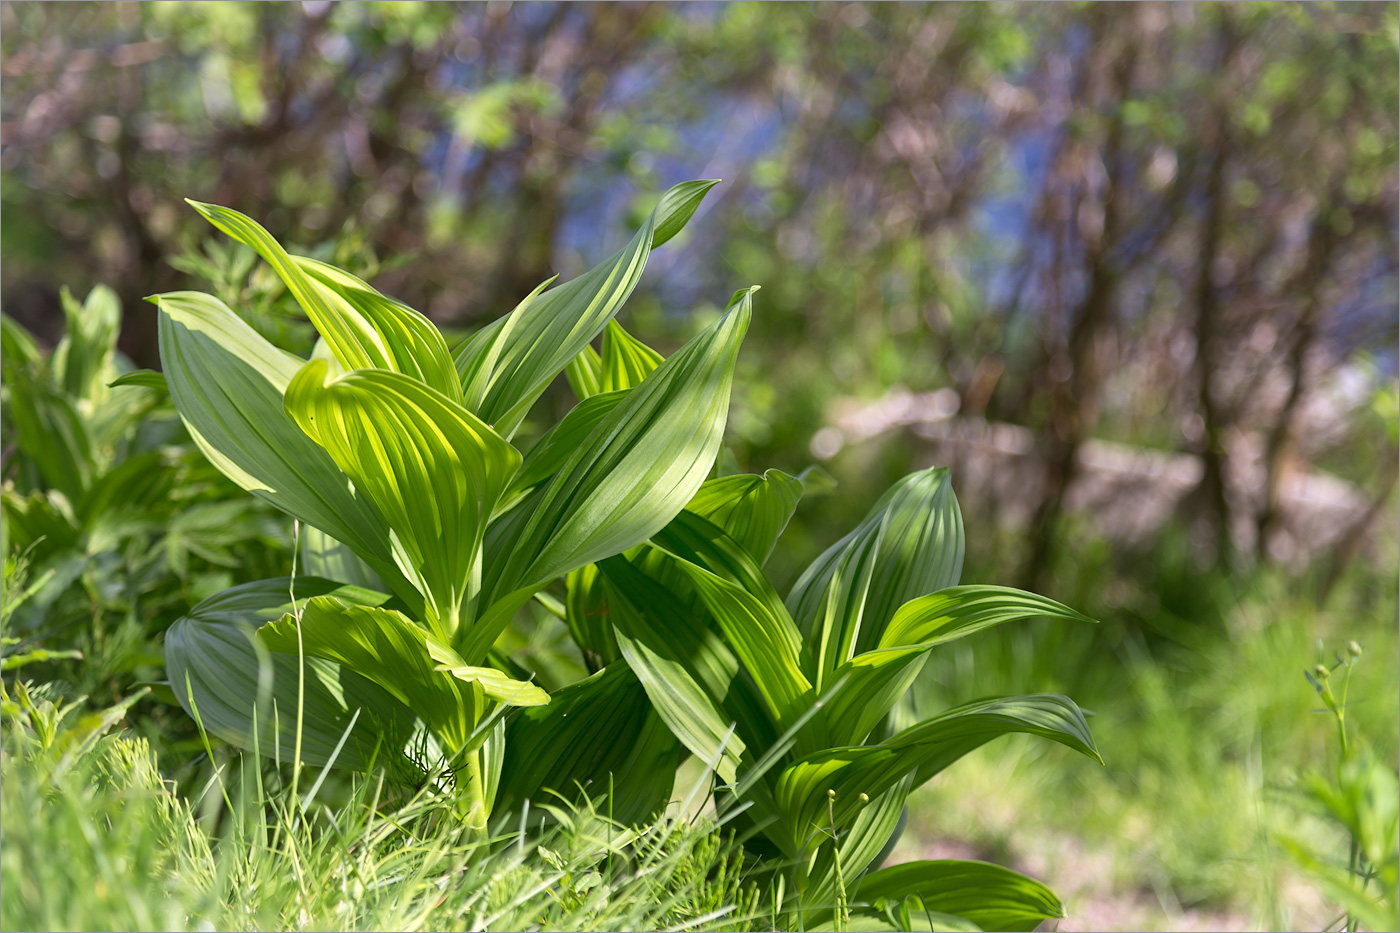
(385, 647)
(227, 382)
(548, 332)
(247, 695)
(364, 329)
(926, 748)
(639, 467)
(431, 468)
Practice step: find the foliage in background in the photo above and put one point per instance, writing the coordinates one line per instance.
(118, 522)
(1168, 225)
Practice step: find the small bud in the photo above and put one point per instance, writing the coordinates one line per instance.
(1321, 672)
(1354, 649)
(831, 793)
(864, 798)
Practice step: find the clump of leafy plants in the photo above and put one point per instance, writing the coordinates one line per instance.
(427, 526)
(117, 522)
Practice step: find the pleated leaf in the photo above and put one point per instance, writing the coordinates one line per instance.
(416, 347)
(957, 611)
(926, 748)
(323, 556)
(990, 896)
(387, 648)
(548, 332)
(364, 329)
(589, 617)
(594, 734)
(910, 544)
(497, 685)
(227, 382)
(145, 378)
(585, 373)
(559, 443)
(221, 673)
(872, 831)
(433, 470)
(753, 510)
(624, 361)
(639, 467)
(767, 644)
(686, 670)
(878, 678)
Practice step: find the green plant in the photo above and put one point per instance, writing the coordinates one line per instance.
(1361, 795)
(398, 454)
(798, 703)
(401, 453)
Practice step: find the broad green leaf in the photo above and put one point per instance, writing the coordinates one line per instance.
(704, 544)
(880, 677)
(364, 329)
(956, 611)
(768, 645)
(926, 748)
(872, 831)
(222, 674)
(433, 470)
(323, 556)
(550, 331)
(753, 510)
(559, 443)
(595, 735)
(227, 382)
(589, 618)
(475, 361)
(685, 669)
(585, 373)
(639, 467)
(990, 896)
(625, 361)
(497, 685)
(910, 544)
(921, 549)
(416, 347)
(82, 358)
(387, 648)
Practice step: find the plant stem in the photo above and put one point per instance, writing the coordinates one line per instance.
(475, 793)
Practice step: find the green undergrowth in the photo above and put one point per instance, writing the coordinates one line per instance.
(107, 845)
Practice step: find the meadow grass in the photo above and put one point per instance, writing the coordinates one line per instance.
(109, 845)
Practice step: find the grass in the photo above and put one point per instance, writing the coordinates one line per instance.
(108, 845)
